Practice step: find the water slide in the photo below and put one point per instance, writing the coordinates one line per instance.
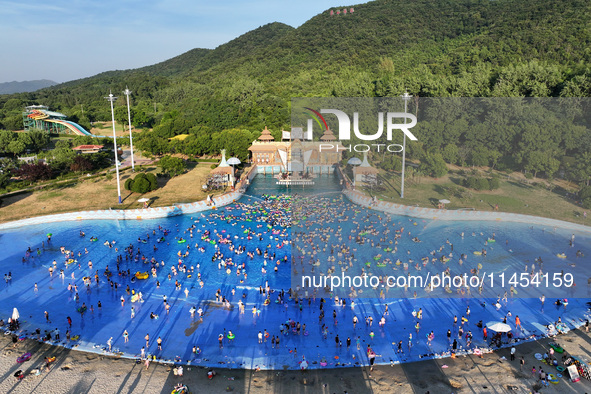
(75, 127)
(38, 115)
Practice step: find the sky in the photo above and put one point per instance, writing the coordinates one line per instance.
(66, 40)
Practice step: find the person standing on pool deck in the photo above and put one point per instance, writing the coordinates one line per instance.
(110, 343)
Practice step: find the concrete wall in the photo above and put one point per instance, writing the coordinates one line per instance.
(126, 214)
(444, 214)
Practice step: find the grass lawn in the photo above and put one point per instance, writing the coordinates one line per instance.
(106, 128)
(100, 193)
(536, 197)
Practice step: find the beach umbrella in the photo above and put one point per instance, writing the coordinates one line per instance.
(233, 161)
(143, 199)
(498, 326)
(15, 315)
(444, 201)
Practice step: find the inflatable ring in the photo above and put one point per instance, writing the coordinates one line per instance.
(142, 275)
(477, 253)
(561, 255)
(181, 241)
(23, 358)
(560, 369)
(230, 337)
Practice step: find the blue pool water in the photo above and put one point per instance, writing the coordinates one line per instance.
(247, 225)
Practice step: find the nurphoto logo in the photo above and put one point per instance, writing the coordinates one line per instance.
(344, 130)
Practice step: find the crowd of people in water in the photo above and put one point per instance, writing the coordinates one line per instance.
(274, 235)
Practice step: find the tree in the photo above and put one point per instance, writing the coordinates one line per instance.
(450, 153)
(81, 164)
(6, 137)
(62, 155)
(37, 140)
(16, 147)
(433, 165)
(34, 172)
(172, 166)
(121, 115)
(4, 180)
(14, 122)
(537, 161)
(585, 192)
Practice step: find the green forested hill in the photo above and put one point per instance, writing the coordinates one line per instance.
(433, 48)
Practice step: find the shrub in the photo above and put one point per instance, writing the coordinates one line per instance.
(587, 203)
(585, 192)
(153, 182)
(494, 183)
(482, 184)
(529, 175)
(213, 166)
(142, 183)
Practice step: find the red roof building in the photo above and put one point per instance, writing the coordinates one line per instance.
(88, 148)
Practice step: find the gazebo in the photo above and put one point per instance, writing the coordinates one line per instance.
(365, 173)
(224, 172)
